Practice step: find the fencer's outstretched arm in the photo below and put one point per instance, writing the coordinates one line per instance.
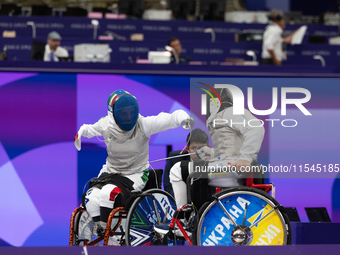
(163, 121)
(89, 131)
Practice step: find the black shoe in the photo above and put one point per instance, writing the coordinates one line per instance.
(98, 230)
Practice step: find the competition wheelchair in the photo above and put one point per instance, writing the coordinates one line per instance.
(245, 215)
(131, 225)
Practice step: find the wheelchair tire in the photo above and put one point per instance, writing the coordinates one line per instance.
(214, 227)
(142, 217)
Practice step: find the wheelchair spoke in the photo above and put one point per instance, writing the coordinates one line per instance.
(225, 210)
(256, 222)
(166, 214)
(157, 214)
(245, 214)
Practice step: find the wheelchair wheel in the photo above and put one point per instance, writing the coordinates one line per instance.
(83, 230)
(152, 207)
(83, 226)
(242, 216)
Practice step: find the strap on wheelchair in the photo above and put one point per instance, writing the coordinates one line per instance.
(198, 190)
(124, 183)
(185, 169)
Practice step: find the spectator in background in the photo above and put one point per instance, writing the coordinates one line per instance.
(272, 53)
(177, 46)
(195, 138)
(53, 50)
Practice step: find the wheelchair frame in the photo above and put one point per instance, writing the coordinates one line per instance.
(122, 214)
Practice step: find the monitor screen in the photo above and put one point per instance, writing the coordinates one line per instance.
(292, 214)
(317, 214)
(38, 50)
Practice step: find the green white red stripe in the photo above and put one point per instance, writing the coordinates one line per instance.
(112, 99)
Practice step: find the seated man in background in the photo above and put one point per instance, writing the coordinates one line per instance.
(169, 163)
(195, 138)
(180, 171)
(53, 50)
(272, 53)
(177, 46)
